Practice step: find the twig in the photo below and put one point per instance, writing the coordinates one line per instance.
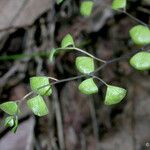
(59, 121)
(83, 142)
(94, 119)
(7, 75)
(20, 56)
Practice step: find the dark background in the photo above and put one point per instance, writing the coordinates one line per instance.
(29, 28)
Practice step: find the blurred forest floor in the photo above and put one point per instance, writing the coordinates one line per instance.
(75, 121)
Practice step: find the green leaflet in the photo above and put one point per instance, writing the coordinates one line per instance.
(88, 87)
(85, 64)
(140, 35)
(9, 107)
(38, 106)
(141, 61)
(59, 1)
(9, 121)
(119, 4)
(114, 95)
(67, 41)
(37, 84)
(86, 8)
(12, 121)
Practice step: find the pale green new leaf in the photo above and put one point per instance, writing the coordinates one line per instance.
(9, 121)
(140, 35)
(38, 106)
(67, 41)
(12, 121)
(59, 1)
(85, 64)
(86, 8)
(41, 85)
(114, 95)
(118, 4)
(15, 127)
(88, 87)
(141, 61)
(9, 107)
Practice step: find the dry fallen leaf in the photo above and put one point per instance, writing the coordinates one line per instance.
(18, 13)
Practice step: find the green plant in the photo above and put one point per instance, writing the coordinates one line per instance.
(119, 4)
(41, 86)
(86, 8)
(59, 1)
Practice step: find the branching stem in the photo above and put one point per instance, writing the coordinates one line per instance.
(134, 18)
(82, 51)
(93, 74)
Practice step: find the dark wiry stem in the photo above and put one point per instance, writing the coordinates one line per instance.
(134, 18)
(127, 56)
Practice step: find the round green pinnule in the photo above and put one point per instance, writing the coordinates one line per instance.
(10, 108)
(38, 106)
(114, 95)
(88, 87)
(67, 41)
(85, 64)
(119, 4)
(141, 61)
(37, 84)
(9, 121)
(140, 35)
(86, 8)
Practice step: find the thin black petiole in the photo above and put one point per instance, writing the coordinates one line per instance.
(54, 83)
(100, 80)
(134, 18)
(82, 51)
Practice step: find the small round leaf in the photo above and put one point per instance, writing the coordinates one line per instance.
(86, 8)
(59, 1)
(114, 95)
(37, 84)
(88, 87)
(85, 65)
(119, 4)
(9, 108)
(38, 106)
(141, 61)
(9, 121)
(67, 41)
(140, 35)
